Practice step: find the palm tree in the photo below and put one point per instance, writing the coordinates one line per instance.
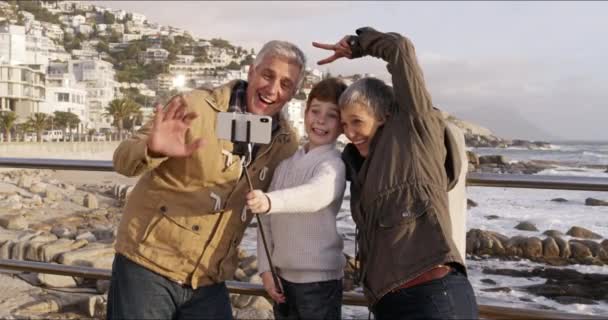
(66, 120)
(7, 121)
(38, 122)
(121, 110)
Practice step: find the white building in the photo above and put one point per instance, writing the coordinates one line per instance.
(22, 89)
(12, 44)
(85, 29)
(53, 31)
(118, 27)
(119, 14)
(37, 50)
(78, 20)
(184, 59)
(101, 27)
(64, 93)
(154, 54)
(138, 18)
(128, 37)
(294, 113)
(97, 77)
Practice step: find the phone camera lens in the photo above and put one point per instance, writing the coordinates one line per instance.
(264, 120)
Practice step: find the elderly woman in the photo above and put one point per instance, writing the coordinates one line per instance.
(401, 168)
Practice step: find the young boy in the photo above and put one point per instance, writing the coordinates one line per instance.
(300, 222)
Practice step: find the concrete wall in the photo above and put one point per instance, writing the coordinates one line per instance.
(98, 150)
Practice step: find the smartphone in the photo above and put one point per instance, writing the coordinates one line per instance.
(243, 127)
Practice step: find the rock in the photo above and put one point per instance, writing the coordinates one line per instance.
(473, 158)
(579, 251)
(38, 307)
(89, 236)
(38, 188)
(489, 281)
(513, 247)
(102, 286)
(553, 233)
(6, 249)
(564, 248)
(90, 201)
(471, 204)
(559, 200)
(50, 251)
(595, 202)
(526, 226)
(240, 300)
(90, 256)
(63, 232)
(52, 195)
(15, 222)
(532, 248)
(579, 232)
(550, 248)
(19, 250)
(494, 159)
(492, 217)
(37, 200)
(25, 182)
(573, 300)
(256, 279)
(483, 242)
(104, 234)
(499, 289)
(95, 307)
(240, 275)
(56, 281)
(592, 245)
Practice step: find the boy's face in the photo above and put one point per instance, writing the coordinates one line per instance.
(322, 123)
(360, 126)
(271, 84)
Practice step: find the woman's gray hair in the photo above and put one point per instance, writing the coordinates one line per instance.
(285, 50)
(372, 93)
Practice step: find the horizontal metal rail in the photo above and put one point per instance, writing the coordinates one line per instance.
(473, 178)
(349, 298)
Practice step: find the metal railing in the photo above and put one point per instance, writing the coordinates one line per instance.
(349, 298)
(473, 178)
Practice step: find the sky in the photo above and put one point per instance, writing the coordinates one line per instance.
(530, 70)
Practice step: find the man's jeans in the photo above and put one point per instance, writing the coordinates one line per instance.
(312, 300)
(450, 297)
(138, 293)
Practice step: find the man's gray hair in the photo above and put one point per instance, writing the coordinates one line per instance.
(372, 93)
(286, 50)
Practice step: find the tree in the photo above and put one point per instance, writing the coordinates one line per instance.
(7, 121)
(233, 66)
(108, 18)
(220, 43)
(65, 120)
(121, 110)
(38, 122)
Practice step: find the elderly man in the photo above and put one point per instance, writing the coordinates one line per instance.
(177, 240)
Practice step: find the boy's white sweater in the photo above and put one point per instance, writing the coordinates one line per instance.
(305, 196)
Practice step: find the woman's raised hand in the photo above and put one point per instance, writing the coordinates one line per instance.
(341, 50)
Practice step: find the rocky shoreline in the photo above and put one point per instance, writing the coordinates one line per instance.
(44, 217)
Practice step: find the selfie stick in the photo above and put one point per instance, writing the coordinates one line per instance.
(273, 271)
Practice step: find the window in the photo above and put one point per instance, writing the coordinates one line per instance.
(63, 97)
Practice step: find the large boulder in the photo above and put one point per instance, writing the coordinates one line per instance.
(90, 201)
(481, 242)
(553, 233)
(550, 248)
(595, 202)
(56, 281)
(493, 159)
(579, 232)
(13, 222)
(580, 252)
(526, 226)
(473, 158)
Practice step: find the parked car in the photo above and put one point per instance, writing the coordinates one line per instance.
(52, 135)
(98, 137)
(30, 137)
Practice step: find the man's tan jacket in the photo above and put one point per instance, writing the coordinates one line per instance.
(185, 217)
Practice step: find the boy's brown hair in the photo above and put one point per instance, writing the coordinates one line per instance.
(327, 90)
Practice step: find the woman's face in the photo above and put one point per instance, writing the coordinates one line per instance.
(359, 126)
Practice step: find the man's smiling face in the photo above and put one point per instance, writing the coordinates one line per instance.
(271, 84)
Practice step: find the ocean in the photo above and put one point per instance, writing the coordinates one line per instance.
(512, 206)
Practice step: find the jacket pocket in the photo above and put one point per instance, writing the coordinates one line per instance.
(170, 242)
(401, 206)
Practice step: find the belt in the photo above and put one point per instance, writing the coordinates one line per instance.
(435, 273)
